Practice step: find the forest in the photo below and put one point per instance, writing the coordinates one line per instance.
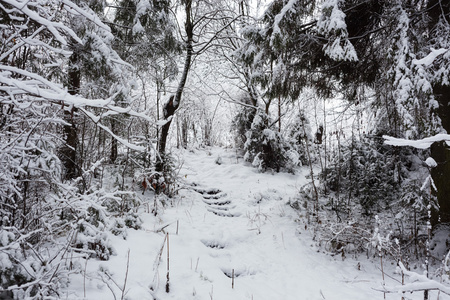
(105, 105)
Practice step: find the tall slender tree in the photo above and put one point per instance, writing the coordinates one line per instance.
(204, 23)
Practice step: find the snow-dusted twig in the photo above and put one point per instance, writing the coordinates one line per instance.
(232, 278)
(126, 275)
(157, 262)
(168, 266)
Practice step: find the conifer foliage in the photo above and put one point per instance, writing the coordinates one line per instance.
(388, 63)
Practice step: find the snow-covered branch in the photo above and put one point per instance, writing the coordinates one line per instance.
(419, 283)
(44, 89)
(419, 144)
(56, 28)
(429, 59)
(279, 17)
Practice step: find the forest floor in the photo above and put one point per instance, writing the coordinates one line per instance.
(229, 219)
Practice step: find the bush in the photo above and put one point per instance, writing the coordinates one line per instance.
(242, 123)
(299, 135)
(267, 149)
(366, 171)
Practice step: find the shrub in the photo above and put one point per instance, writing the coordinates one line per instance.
(267, 149)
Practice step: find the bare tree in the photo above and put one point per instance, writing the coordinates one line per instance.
(205, 22)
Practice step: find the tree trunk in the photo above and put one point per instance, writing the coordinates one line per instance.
(440, 174)
(174, 102)
(114, 143)
(279, 113)
(440, 152)
(69, 150)
(207, 132)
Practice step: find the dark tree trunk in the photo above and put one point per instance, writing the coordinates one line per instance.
(114, 144)
(169, 111)
(442, 96)
(207, 132)
(440, 174)
(174, 102)
(440, 152)
(69, 150)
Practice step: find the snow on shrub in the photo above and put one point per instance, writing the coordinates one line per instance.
(266, 148)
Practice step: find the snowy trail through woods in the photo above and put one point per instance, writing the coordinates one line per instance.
(237, 239)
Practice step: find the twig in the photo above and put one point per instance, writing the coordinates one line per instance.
(168, 268)
(232, 278)
(126, 275)
(161, 229)
(382, 271)
(196, 266)
(420, 283)
(158, 260)
(391, 277)
(107, 282)
(84, 279)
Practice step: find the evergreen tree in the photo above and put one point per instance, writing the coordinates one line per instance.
(352, 46)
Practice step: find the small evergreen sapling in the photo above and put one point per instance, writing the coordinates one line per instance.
(267, 149)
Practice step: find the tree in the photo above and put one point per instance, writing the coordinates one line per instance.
(43, 55)
(343, 50)
(145, 35)
(439, 28)
(200, 32)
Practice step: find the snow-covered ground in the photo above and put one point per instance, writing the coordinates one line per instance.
(229, 218)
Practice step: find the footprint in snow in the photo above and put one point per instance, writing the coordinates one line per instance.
(215, 204)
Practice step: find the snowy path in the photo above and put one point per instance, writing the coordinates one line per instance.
(230, 219)
(254, 233)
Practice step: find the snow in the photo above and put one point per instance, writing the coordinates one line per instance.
(57, 27)
(51, 26)
(279, 17)
(229, 218)
(431, 162)
(429, 59)
(142, 7)
(419, 282)
(336, 19)
(332, 25)
(419, 144)
(137, 28)
(270, 134)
